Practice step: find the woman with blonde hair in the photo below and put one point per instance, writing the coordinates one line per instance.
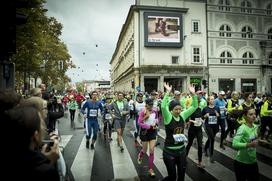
(38, 103)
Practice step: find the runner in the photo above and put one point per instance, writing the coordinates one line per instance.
(148, 122)
(92, 114)
(245, 140)
(174, 154)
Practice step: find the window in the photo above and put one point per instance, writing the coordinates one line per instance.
(246, 7)
(223, 5)
(225, 57)
(196, 54)
(223, 30)
(269, 32)
(195, 26)
(175, 59)
(247, 32)
(248, 58)
(269, 9)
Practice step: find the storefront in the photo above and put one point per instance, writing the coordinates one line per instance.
(175, 82)
(150, 84)
(226, 84)
(248, 85)
(196, 82)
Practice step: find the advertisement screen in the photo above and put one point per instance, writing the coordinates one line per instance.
(163, 29)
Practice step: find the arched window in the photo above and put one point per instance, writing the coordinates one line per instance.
(223, 5)
(269, 33)
(223, 30)
(269, 9)
(247, 32)
(225, 57)
(245, 7)
(248, 58)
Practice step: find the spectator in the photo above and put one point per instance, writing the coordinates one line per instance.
(27, 159)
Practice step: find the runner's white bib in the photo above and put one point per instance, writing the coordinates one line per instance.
(212, 120)
(93, 113)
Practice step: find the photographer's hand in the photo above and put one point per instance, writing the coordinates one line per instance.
(53, 153)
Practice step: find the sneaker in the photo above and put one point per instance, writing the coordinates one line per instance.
(92, 146)
(222, 146)
(151, 173)
(87, 144)
(139, 160)
(200, 166)
(121, 149)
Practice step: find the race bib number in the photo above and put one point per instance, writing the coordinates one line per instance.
(108, 116)
(198, 122)
(222, 111)
(93, 113)
(212, 120)
(151, 120)
(180, 138)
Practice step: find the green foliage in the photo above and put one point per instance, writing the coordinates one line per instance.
(39, 49)
(80, 87)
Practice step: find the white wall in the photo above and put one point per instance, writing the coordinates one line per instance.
(163, 55)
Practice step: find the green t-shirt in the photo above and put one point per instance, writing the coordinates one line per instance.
(243, 136)
(167, 115)
(120, 105)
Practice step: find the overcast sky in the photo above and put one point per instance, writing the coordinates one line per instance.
(90, 30)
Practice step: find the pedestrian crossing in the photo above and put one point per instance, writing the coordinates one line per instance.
(93, 165)
(121, 161)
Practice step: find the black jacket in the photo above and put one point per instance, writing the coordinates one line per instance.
(33, 165)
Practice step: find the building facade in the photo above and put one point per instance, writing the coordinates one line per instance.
(239, 44)
(161, 41)
(226, 42)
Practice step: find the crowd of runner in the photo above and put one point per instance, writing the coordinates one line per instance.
(243, 117)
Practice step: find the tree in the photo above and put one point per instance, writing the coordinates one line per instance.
(80, 87)
(39, 49)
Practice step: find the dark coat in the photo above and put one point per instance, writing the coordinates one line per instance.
(33, 165)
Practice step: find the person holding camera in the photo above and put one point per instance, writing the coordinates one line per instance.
(29, 157)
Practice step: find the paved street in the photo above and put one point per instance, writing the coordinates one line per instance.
(106, 162)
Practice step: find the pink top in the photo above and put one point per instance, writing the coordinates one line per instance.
(142, 123)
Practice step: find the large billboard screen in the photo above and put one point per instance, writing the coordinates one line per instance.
(163, 29)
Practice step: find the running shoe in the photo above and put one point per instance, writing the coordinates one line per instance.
(139, 159)
(122, 149)
(151, 173)
(222, 146)
(200, 166)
